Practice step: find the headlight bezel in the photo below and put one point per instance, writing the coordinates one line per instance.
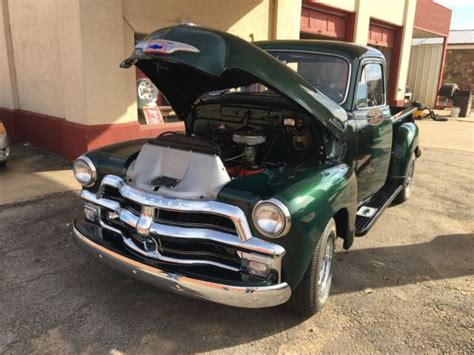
(285, 214)
(92, 168)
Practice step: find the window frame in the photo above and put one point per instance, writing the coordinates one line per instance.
(359, 76)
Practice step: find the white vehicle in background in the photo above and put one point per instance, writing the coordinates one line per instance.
(4, 145)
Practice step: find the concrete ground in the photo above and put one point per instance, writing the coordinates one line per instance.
(406, 287)
(32, 172)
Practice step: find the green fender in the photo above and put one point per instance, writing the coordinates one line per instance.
(313, 195)
(405, 143)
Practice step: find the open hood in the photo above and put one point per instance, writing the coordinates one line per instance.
(185, 62)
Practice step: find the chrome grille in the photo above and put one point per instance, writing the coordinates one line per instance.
(195, 219)
(188, 219)
(190, 232)
(170, 247)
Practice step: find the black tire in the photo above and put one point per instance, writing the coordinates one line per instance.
(308, 298)
(405, 193)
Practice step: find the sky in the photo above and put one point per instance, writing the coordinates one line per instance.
(463, 13)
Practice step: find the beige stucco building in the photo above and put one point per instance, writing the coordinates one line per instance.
(62, 88)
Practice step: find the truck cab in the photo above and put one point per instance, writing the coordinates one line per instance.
(288, 145)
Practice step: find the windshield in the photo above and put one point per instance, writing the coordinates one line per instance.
(328, 73)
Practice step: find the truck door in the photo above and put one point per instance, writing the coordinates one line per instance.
(373, 130)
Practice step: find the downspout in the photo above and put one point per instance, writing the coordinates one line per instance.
(441, 68)
(272, 33)
(10, 54)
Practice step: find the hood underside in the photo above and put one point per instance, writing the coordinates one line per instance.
(185, 62)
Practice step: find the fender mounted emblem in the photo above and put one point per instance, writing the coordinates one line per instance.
(165, 47)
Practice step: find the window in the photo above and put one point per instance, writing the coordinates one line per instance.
(328, 73)
(152, 105)
(370, 89)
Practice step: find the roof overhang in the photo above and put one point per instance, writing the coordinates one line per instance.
(432, 18)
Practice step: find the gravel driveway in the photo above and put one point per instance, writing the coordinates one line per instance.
(405, 287)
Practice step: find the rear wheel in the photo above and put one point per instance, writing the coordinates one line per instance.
(405, 193)
(310, 296)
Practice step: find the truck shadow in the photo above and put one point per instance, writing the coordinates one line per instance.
(444, 257)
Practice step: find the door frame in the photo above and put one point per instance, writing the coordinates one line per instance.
(391, 90)
(360, 114)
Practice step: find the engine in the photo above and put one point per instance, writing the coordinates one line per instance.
(250, 141)
(217, 149)
(249, 150)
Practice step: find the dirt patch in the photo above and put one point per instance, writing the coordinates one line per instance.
(406, 287)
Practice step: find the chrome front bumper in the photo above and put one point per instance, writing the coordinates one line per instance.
(237, 296)
(115, 216)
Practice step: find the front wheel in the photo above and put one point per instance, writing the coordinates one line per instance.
(310, 296)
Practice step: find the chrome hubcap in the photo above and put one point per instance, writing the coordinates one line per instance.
(411, 171)
(325, 270)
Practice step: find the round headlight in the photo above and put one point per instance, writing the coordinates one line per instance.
(84, 171)
(271, 218)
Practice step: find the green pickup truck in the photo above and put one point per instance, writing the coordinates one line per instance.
(288, 145)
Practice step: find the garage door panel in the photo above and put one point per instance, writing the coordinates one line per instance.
(381, 36)
(322, 23)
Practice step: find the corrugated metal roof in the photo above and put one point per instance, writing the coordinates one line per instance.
(461, 36)
(426, 41)
(455, 37)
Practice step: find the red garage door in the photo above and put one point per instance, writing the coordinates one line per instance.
(325, 22)
(387, 39)
(381, 36)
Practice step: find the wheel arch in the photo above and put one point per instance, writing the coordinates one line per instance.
(343, 229)
(405, 143)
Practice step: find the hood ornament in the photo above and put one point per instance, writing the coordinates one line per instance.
(161, 46)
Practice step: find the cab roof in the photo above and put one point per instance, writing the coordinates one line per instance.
(351, 51)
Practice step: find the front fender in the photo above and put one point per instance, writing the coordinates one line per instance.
(313, 196)
(312, 204)
(405, 142)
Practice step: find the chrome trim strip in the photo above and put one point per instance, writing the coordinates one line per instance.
(234, 213)
(237, 296)
(252, 244)
(404, 113)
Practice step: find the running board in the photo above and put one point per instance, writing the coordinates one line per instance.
(370, 211)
